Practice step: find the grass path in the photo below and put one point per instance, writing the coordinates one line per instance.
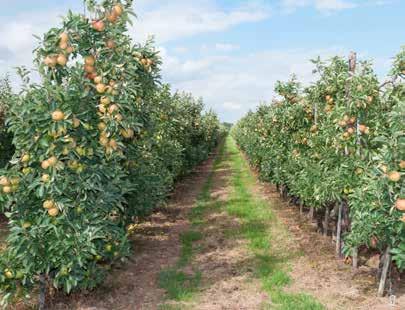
(245, 240)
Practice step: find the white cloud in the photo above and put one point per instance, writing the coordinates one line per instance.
(234, 84)
(180, 19)
(226, 47)
(228, 105)
(320, 5)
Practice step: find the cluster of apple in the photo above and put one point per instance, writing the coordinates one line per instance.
(112, 17)
(9, 185)
(61, 58)
(349, 124)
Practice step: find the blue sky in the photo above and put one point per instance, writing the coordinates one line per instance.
(231, 53)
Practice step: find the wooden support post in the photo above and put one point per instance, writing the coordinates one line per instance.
(326, 222)
(301, 207)
(311, 213)
(355, 254)
(42, 292)
(384, 273)
(339, 231)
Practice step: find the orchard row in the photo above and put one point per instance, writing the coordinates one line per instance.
(338, 147)
(98, 144)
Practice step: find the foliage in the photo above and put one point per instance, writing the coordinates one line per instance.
(98, 142)
(6, 100)
(340, 139)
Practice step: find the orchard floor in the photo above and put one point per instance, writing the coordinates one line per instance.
(226, 241)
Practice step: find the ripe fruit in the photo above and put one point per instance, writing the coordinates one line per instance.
(89, 69)
(91, 76)
(52, 161)
(8, 274)
(48, 204)
(25, 158)
(394, 176)
(98, 79)
(64, 37)
(402, 164)
(45, 178)
(110, 44)
(76, 122)
(50, 61)
(70, 49)
(101, 126)
(61, 60)
(101, 88)
(112, 17)
(58, 115)
(105, 100)
(359, 171)
(113, 144)
(89, 60)
(26, 225)
(63, 45)
(403, 217)
(102, 108)
(400, 204)
(314, 128)
(342, 124)
(53, 212)
(113, 108)
(118, 117)
(98, 25)
(7, 189)
(127, 133)
(45, 164)
(4, 181)
(370, 99)
(103, 141)
(118, 9)
(350, 131)
(363, 128)
(352, 120)
(144, 61)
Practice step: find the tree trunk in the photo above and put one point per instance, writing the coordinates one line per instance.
(311, 213)
(355, 258)
(339, 231)
(384, 273)
(326, 222)
(42, 292)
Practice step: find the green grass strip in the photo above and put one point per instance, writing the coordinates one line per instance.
(263, 231)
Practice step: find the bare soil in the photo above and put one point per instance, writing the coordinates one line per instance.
(156, 245)
(223, 259)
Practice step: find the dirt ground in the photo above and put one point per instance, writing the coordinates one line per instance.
(319, 273)
(156, 245)
(225, 263)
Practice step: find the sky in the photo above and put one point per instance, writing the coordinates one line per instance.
(229, 52)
